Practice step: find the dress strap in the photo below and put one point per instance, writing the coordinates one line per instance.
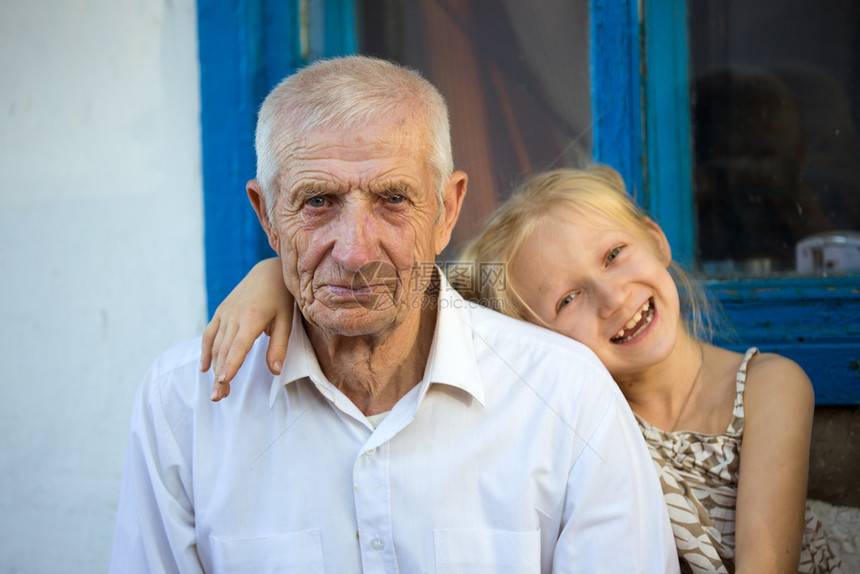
(737, 424)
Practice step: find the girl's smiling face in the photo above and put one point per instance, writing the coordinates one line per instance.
(588, 277)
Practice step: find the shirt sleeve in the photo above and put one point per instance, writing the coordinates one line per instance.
(155, 517)
(615, 516)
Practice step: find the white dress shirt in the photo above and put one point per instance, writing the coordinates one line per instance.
(515, 453)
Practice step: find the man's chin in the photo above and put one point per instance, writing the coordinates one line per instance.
(354, 320)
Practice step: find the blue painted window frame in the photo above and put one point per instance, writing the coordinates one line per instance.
(640, 102)
(641, 94)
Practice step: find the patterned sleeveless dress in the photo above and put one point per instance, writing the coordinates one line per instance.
(699, 476)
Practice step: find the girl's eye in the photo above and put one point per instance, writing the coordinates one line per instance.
(567, 299)
(613, 253)
(318, 201)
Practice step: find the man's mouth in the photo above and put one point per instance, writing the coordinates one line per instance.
(361, 283)
(637, 323)
(347, 289)
(355, 290)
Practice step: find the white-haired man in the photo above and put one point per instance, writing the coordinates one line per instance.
(408, 431)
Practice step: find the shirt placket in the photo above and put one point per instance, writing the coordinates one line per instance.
(372, 485)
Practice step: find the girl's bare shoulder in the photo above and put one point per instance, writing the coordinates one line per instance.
(762, 369)
(777, 381)
(773, 367)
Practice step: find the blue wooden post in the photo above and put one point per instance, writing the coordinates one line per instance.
(340, 30)
(616, 88)
(654, 156)
(667, 125)
(246, 48)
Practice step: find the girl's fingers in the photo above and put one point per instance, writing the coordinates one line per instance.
(206, 343)
(223, 340)
(227, 336)
(239, 346)
(278, 337)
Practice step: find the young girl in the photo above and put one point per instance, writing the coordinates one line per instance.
(583, 260)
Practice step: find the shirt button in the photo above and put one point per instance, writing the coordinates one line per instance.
(377, 543)
(370, 452)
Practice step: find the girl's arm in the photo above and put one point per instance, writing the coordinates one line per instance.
(778, 409)
(260, 303)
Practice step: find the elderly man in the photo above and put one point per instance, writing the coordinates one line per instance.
(408, 431)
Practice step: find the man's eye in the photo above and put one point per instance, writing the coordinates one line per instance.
(395, 198)
(317, 201)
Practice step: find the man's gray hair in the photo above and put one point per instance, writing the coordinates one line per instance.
(345, 93)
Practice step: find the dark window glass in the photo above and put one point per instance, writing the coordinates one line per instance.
(776, 92)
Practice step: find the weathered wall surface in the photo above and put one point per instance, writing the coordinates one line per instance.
(101, 258)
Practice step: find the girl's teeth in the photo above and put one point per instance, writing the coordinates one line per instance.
(635, 320)
(632, 322)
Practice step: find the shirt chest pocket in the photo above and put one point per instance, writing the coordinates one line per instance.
(473, 551)
(280, 553)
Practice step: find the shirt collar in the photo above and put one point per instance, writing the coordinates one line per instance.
(300, 362)
(451, 360)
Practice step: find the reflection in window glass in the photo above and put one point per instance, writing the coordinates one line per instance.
(776, 115)
(515, 75)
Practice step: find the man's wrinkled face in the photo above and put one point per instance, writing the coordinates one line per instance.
(357, 225)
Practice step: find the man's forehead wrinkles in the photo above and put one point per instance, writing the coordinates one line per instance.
(368, 175)
(305, 186)
(384, 144)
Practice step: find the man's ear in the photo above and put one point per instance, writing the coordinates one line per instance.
(452, 201)
(660, 240)
(258, 200)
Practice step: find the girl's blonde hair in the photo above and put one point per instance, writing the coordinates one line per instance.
(596, 190)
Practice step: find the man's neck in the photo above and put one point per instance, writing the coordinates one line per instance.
(375, 372)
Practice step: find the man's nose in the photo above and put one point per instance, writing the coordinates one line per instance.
(356, 237)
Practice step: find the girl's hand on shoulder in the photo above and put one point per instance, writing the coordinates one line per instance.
(260, 303)
(778, 407)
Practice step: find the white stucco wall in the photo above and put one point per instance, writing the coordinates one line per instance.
(101, 255)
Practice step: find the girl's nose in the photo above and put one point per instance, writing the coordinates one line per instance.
(612, 296)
